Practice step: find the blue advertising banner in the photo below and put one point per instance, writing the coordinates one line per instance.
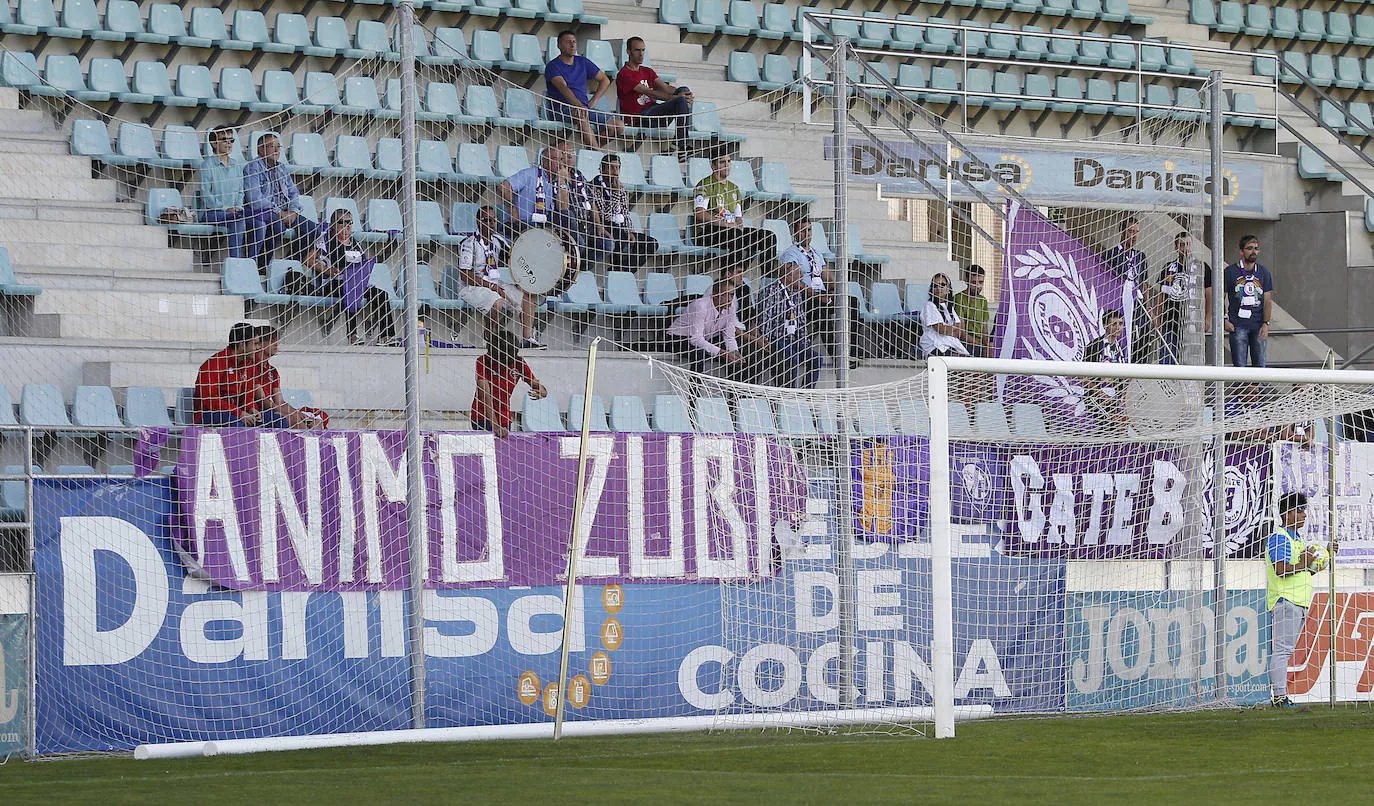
(1144, 649)
(130, 650)
(14, 683)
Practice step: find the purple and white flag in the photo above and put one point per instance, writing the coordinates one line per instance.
(1054, 290)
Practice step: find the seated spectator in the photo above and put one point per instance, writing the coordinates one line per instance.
(224, 382)
(342, 270)
(499, 370)
(942, 330)
(626, 250)
(972, 308)
(266, 385)
(818, 289)
(718, 218)
(707, 332)
(546, 195)
(795, 363)
(565, 99)
(1106, 396)
(219, 193)
(481, 256)
(273, 203)
(648, 101)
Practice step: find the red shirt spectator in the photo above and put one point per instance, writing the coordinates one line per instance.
(631, 102)
(494, 409)
(225, 388)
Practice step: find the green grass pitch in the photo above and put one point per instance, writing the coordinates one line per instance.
(1316, 755)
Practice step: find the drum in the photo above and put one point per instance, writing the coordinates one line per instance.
(539, 259)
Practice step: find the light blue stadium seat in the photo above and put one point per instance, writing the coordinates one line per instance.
(671, 415)
(1321, 68)
(370, 39)
(675, 12)
(665, 175)
(383, 217)
(911, 79)
(917, 294)
(449, 47)
(146, 406)
(525, 55)
(627, 414)
(308, 156)
(521, 110)
(583, 296)
(95, 406)
(743, 68)
(430, 225)
(1156, 96)
(152, 78)
(782, 235)
(193, 82)
(490, 8)
(598, 413)
(541, 416)
(1033, 46)
(291, 34)
(479, 106)
(360, 92)
(1284, 23)
(913, 418)
(91, 139)
(991, 419)
(944, 82)
(62, 72)
(623, 297)
(795, 419)
(474, 164)
(208, 23)
(134, 145)
(40, 16)
(978, 85)
(511, 160)
(236, 87)
(777, 20)
(1203, 12)
(574, 8)
(441, 103)
(708, 16)
(941, 40)
(167, 20)
(856, 292)
(107, 76)
(159, 199)
(13, 493)
(1311, 165)
(755, 416)
(885, 302)
(419, 41)
(660, 288)
(1349, 74)
(463, 217)
(332, 39)
(1362, 33)
(663, 227)
(1311, 25)
(433, 163)
(1028, 421)
(1127, 96)
(871, 419)
(239, 277)
(352, 155)
(540, 10)
(10, 285)
(428, 293)
(1092, 51)
(959, 422)
(251, 27)
(41, 405)
(713, 416)
(1068, 94)
(123, 20)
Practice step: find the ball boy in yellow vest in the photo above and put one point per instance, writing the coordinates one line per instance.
(1291, 564)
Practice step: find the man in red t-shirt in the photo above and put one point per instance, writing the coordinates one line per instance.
(224, 383)
(499, 370)
(649, 101)
(265, 382)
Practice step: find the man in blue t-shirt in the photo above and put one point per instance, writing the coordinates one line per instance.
(565, 99)
(1249, 291)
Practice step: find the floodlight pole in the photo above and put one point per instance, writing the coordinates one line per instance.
(1218, 629)
(416, 525)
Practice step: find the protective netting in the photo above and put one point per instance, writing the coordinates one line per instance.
(1081, 536)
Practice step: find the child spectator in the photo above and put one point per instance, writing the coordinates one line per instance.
(223, 394)
(499, 370)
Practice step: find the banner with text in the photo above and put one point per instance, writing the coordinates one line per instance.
(282, 510)
(14, 684)
(1305, 470)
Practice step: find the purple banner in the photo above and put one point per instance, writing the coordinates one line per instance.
(1054, 290)
(273, 510)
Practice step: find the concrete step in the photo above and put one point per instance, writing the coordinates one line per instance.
(73, 212)
(21, 143)
(27, 121)
(9, 98)
(81, 233)
(58, 167)
(33, 186)
(149, 281)
(130, 315)
(100, 257)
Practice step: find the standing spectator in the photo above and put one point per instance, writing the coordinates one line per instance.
(639, 87)
(223, 383)
(1176, 284)
(565, 99)
(1105, 394)
(1250, 301)
(481, 256)
(499, 370)
(718, 217)
(1291, 562)
(273, 202)
(340, 270)
(707, 331)
(942, 330)
(1130, 266)
(266, 384)
(972, 308)
(796, 363)
(627, 250)
(219, 195)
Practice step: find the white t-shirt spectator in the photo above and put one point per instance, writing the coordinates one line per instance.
(936, 314)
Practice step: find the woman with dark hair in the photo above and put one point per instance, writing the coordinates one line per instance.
(499, 370)
(335, 252)
(942, 330)
(627, 250)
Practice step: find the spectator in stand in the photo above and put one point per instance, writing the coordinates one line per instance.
(1250, 303)
(266, 384)
(1104, 394)
(566, 100)
(1176, 284)
(1131, 267)
(626, 250)
(481, 256)
(224, 382)
(545, 195)
(639, 87)
(219, 194)
(942, 331)
(273, 203)
(341, 267)
(795, 362)
(499, 370)
(718, 217)
(972, 307)
(707, 331)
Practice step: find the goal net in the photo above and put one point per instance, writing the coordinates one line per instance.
(1033, 537)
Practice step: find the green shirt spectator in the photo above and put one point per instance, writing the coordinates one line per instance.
(972, 307)
(720, 197)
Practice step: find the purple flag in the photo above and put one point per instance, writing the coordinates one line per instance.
(1054, 290)
(355, 277)
(148, 449)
